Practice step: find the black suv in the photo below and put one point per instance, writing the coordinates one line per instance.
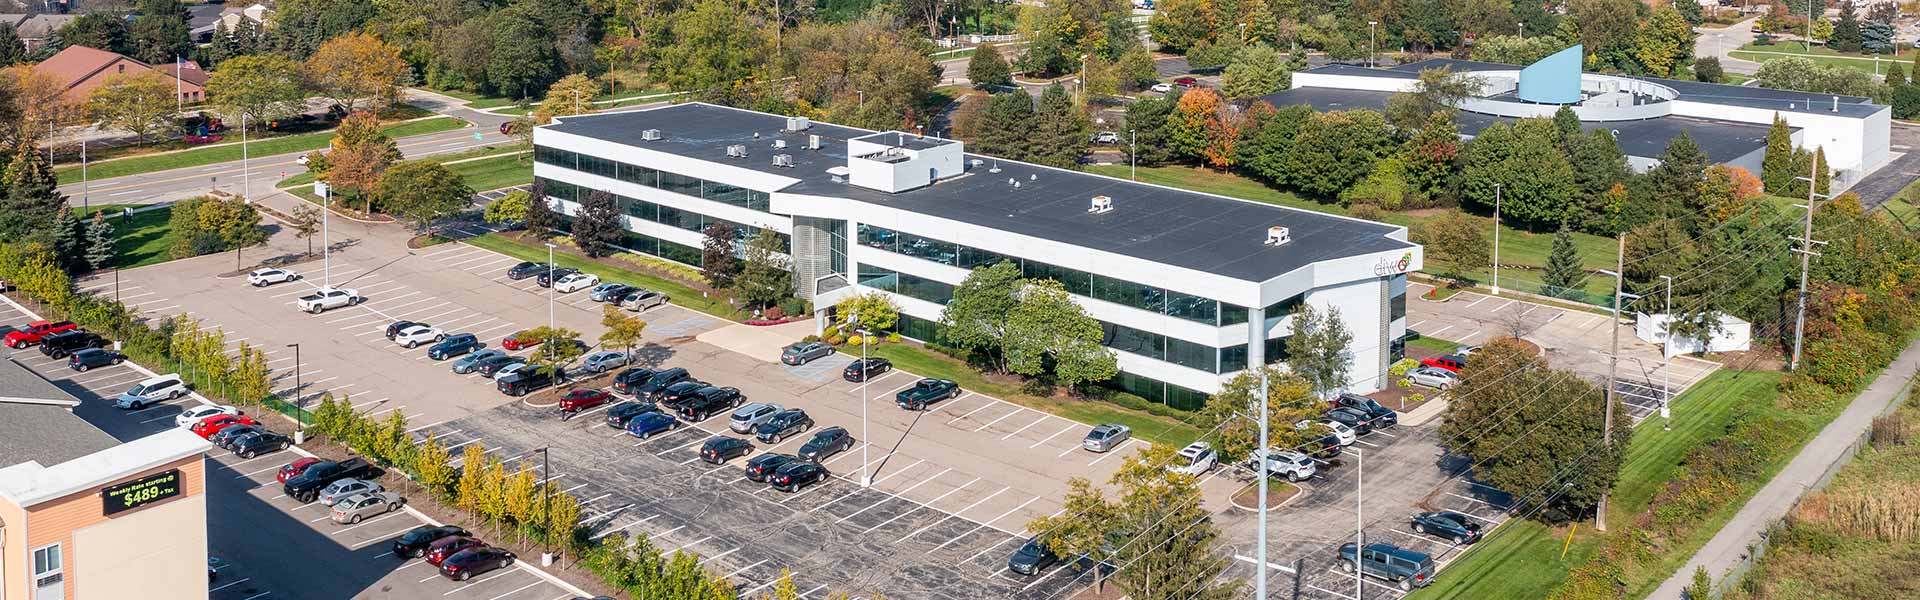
(546, 278)
(1381, 416)
(618, 416)
(415, 542)
(720, 448)
(249, 446)
(525, 270)
(708, 401)
(672, 396)
(759, 468)
(526, 381)
(830, 441)
(306, 487)
(796, 475)
(783, 425)
(659, 381)
(1358, 420)
(630, 379)
(59, 345)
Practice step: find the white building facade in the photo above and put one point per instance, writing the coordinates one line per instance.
(1189, 288)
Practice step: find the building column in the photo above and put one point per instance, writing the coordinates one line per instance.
(1256, 338)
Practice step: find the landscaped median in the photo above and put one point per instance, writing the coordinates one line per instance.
(484, 168)
(196, 157)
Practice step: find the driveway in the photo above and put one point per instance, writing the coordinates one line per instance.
(1720, 42)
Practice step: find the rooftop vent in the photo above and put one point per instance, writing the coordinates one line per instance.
(1101, 205)
(976, 162)
(798, 124)
(783, 160)
(996, 166)
(651, 135)
(780, 144)
(813, 142)
(1278, 236)
(737, 151)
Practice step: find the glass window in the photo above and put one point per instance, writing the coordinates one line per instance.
(639, 209)
(914, 286)
(1132, 341)
(1233, 358)
(679, 253)
(971, 257)
(555, 156)
(878, 237)
(917, 328)
(563, 190)
(1192, 308)
(1276, 350)
(1280, 310)
(1189, 354)
(879, 278)
(928, 249)
(759, 201)
(680, 184)
(640, 243)
(1127, 293)
(720, 192)
(640, 175)
(1185, 399)
(1397, 298)
(1232, 315)
(596, 165)
(674, 217)
(1076, 282)
(46, 561)
(1145, 387)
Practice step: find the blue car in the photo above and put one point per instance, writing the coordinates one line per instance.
(470, 362)
(455, 345)
(645, 425)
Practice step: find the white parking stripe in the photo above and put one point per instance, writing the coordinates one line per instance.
(957, 513)
(1016, 410)
(1115, 451)
(926, 504)
(1043, 418)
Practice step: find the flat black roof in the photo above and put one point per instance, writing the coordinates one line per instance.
(1171, 226)
(1722, 141)
(1693, 91)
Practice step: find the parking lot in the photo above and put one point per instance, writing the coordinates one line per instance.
(254, 528)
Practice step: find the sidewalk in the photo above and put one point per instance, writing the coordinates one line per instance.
(1729, 547)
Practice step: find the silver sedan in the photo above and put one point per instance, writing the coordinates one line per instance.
(1433, 378)
(338, 490)
(356, 508)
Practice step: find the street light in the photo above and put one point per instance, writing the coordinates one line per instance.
(299, 403)
(550, 285)
(1496, 239)
(246, 173)
(325, 192)
(1371, 61)
(866, 375)
(85, 187)
(1523, 30)
(546, 508)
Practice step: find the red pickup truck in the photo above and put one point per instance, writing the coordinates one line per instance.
(21, 338)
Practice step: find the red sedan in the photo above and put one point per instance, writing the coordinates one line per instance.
(583, 398)
(519, 340)
(295, 468)
(1450, 362)
(1186, 82)
(448, 546)
(212, 425)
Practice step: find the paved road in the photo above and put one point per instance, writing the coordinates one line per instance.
(1881, 185)
(1719, 42)
(1729, 547)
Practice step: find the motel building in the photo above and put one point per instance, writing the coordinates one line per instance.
(1190, 288)
(84, 516)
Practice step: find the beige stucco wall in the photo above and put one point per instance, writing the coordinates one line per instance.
(160, 553)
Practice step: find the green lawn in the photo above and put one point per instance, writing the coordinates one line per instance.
(1433, 343)
(496, 172)
(229, 153)
(1517, 247)
(143, 238)
(1522, 558)
(1822, 55)
(681, 293)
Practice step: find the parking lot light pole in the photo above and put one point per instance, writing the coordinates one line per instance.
(299, 434)
(546, 508)
(550, 285)
(1133, 155)
(325, 192)
(85, 187)
(1359, 539)
(246, 173)
(866, 376)
(1260, 549)
(1496, 239)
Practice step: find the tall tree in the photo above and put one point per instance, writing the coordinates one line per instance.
(1676, 180)
(160, 34)
(597, 226)
(1147, 125)
(1257, 70)
(1846, 31)
(139, 103)
(1457, 243)
(1438, 90)
(1168, 554)
(1431, 157)
(1564, 274)
(1522, 164)
(976, 319)
(1336, 149)
(100, 30)
(1084, 528)
(708, 46)
(1664, 43)
(719, 250)
(523, 60)
(70, 240)
(1320, 348)
(423, 192)
(306, 223)
(12, 50)
(1230, 418)
(1598, 166)
(541, 220)
(623, 329)
(987, 68)
(100, 240)
(29, 200)
(1776, 168)
(1047, 326)
(1265, 137)
(1060, 130)
(764, 278)
(1004, 127)
(258, 87)
(357, 68)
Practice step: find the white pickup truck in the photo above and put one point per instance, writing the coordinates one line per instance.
(329, 298)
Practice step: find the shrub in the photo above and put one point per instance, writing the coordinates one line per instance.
(810, 338)
(1707, 69)
(664, 267)
(1368, 211)
(793, 306)
(836, 340)
(893, 337)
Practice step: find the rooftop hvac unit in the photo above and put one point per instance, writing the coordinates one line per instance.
(1101, 205)
(737, 151)
(813, 142)
(783, 160)
(798, 123)
(651, 135)
(1278, 236)
(780, 144)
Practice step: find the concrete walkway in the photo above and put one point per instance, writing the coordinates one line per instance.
(1721, 42)
(1729, 547)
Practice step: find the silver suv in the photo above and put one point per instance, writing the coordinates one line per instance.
(752, 415)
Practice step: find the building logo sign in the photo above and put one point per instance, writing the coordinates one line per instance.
(121, 497)
(1385, 267)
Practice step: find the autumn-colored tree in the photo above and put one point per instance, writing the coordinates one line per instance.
(356, 69)
(41, 100)
(571, 95)
(139, 103)
(1199, 128)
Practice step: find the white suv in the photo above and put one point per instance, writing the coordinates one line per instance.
(270, 276)
(1196, 458)
(576, 282)
(1294, 465)
(152, 390)
(416, 335)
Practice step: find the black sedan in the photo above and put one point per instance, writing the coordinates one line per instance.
(414, 542)
(761, 467)
(720, 449)
(861, 369)
(474, 561)
(618, 416)
(830, 441)
(525, 270)
(488, 367)
(925, 392)
(1031, 557)
(797, 475)
(260, 443)
(1382, 416)
(1361, 424)
(1448, 524)
(783, 425)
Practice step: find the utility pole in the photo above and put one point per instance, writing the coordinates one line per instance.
(1260, 548)
(1496, 239)
(85, 187)
(1667, 348)
(1806, 255)
(1613, 370)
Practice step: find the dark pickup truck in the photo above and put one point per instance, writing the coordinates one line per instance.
(308, 484)
(926, 392)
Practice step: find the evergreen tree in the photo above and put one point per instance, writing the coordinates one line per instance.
(1598, 166)
(1896, 76)
(69, 240)
(1691, 12)
(1846, 31)
(1567, 122)
(1822, 176)
(1060, 130)
(1147, 120)
(1005, 126)
(12, 49)
(1564, 275)
(28, 200)
(100, 241)
(1683, 166)
(1776, 168)
(988, 68)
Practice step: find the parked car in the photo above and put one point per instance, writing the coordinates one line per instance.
(1106, 137)
(416, 335)
(260, 443)
(620, 414)
(520, 340)
(1433, 377)
(609, 292)
(1293, 465)
(295, 468)
(525, 270)
(926, 392)
(212, 425)
(830, 441)
(860, 370)
(1352, 418)
(1196, 458)
(1327, 447)
(671, 397)
(583, 398)
(783, 425)
(745, 418)
(490, 367)
(631, 378)
(417, 540)
(1032, 557)
(393, 329)
(472, 360)
(529, 380)
(642, 299)
(804, 352)
(325, 299)
(1448, 524)
(35, 331)
(1450, 362)
(474, 561)
(440, 549)
(156, 389)
(576, 282)
(797, 475)
(1467, 350)
(546, 277)
(223, 438)
(455, 345)
(339, 490)
(709, 401)
(188, 417)
(1339, 431)
(1381, 415)
(720, 449)
(1407, 569)
(307, 486)
(1186, 82)
(1106, 437)
(270, 276)
(356, 508)
(604, 360)
(88, 358)
(1162, 87)
(759, 468)
(60, 345)
(650, 423)
(661, 380)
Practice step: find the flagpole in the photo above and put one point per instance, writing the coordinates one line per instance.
(179, 104)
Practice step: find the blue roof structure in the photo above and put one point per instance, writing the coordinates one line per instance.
(1554, 79)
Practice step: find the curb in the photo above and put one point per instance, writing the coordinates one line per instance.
(1304, 491)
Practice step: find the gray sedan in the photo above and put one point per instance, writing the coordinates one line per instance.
(1106, 437)
(356, 508)
(605, 360)
(804, 352)
(468, 363)
(643, 299)
(338, 490)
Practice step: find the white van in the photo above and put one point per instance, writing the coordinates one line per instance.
(151, 390)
